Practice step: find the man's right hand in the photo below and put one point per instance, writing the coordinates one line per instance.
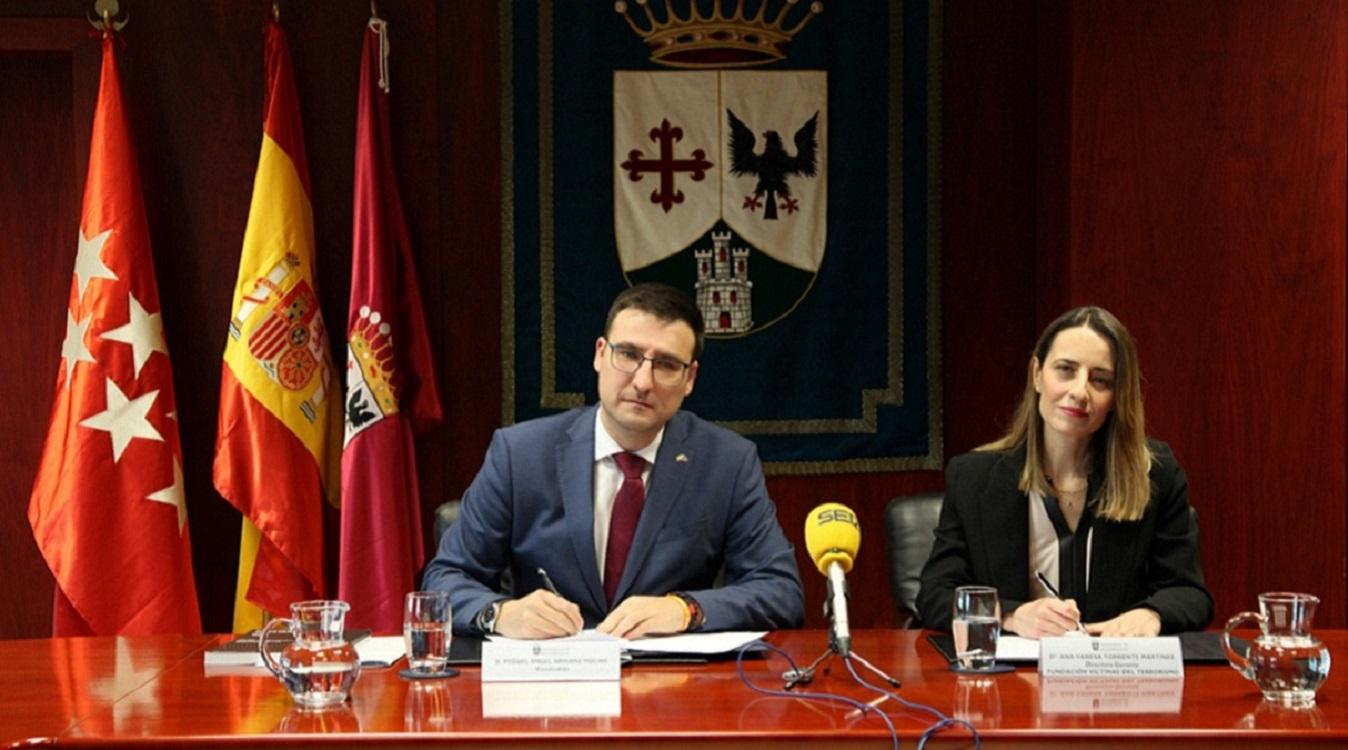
(541, 614)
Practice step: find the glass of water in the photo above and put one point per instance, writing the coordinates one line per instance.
(976, 624)
(427, 630)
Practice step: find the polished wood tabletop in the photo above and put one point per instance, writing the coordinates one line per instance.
(143, 691)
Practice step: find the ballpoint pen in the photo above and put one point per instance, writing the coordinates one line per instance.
(547, 581)
(1043, 581)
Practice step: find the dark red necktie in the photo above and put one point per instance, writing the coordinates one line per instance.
(623, 523)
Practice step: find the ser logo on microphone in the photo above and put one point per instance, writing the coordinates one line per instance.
(833, 515)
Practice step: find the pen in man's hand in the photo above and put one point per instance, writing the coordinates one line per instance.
(547, 581)
(1043, 581)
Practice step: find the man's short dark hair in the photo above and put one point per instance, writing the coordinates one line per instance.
(665, 303)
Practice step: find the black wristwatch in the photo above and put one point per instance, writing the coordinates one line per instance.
(485, 622)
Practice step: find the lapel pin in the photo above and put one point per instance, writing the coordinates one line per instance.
(682, 458)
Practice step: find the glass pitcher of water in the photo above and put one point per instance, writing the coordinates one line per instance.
(1286, 661)
(319, 666)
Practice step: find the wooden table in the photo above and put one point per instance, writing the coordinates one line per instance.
(141, 691)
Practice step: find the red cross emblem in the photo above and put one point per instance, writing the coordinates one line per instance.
(637, 165)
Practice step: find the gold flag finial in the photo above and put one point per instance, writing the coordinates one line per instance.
(104, 13)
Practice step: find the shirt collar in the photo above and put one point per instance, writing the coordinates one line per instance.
(605, 445)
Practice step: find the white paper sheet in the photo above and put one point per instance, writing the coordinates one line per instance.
(697, 643)
(685, 643)
(380, 651)
(1016, 648)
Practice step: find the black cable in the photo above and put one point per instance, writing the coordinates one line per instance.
(825, 697)
(942, 722)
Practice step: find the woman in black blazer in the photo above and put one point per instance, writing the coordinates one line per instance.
(1074, 491)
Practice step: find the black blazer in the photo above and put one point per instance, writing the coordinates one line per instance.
(983, 538)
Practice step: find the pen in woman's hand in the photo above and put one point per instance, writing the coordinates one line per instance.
(1049, 587)
(547, 581)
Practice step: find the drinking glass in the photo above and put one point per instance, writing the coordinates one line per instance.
(976, 624)
(427, 630)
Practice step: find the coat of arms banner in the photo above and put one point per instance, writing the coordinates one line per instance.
(779, 161)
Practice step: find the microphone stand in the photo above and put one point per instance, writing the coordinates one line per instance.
(797, 676)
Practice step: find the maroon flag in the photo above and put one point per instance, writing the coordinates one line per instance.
(390, 381)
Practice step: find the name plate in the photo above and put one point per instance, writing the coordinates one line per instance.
(505, 660)
(1111, 657)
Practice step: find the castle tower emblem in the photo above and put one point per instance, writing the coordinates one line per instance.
(723, 290)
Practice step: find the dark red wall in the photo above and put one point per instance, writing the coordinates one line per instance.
(1206, 168)
(1182, 164)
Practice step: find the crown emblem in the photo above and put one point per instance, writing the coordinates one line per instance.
(720, 39)
(371, 341)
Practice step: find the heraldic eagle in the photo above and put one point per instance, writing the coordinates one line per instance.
(774, 165)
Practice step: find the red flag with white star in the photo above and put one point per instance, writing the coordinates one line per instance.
(390, 381)
(107, 508)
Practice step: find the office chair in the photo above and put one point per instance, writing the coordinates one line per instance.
(910, 521)
(445, 516)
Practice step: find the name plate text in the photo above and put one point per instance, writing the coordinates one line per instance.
(505, 660)
(1111, 657)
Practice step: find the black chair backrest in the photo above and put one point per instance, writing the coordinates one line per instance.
(910, 521)
(445, 516)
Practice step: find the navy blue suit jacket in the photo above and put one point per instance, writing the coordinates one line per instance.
(706, 510)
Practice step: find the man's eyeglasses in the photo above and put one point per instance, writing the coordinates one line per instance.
(665, 371)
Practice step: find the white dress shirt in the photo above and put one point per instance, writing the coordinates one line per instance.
(1044, 548)
(608, 478)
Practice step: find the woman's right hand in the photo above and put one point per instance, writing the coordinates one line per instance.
(1043, 618)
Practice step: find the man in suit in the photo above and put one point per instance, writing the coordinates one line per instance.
(632, 507)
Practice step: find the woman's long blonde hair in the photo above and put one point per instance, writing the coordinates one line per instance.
(1121, 441)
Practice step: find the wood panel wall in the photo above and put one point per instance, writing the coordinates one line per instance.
(1183, 166)
(41, 66)
(1207, 180)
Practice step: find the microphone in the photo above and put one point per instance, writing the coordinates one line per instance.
(832, 537)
